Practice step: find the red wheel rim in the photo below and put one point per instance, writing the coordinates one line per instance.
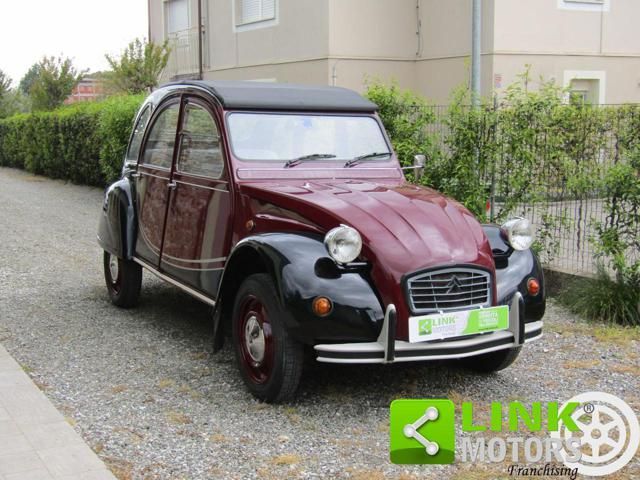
(256, 340)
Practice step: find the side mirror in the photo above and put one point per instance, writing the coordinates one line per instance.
(418, 163)
(418, 166)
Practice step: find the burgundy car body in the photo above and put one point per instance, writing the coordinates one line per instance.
(192, 231)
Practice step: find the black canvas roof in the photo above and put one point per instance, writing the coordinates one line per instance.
(283, 96)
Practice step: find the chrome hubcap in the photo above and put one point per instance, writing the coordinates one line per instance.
(254, 339)
(113, 268)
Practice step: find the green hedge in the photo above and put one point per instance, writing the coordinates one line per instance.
(83, 143)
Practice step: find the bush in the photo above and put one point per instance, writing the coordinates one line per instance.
(83, 143)
(605, 299)
(115, 125)
(405, 116)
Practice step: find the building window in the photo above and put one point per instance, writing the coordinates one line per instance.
(585, 87)
(176, 17)
(585, 5)
(254, 11)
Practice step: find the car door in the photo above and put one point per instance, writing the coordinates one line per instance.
(199, 214)
(153, 181)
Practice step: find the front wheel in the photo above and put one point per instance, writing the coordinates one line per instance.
(492, 361)
(123, 279)
(270, 361)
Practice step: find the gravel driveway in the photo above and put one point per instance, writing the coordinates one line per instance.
(144, 390)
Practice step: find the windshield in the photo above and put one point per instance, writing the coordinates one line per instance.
(283, 137)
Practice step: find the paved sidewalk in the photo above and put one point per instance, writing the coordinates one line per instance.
(36, 443)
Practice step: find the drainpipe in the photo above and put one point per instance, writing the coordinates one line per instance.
(148, 20)
(418, 29)
(334, 73)
(475, 52)
(199, 39)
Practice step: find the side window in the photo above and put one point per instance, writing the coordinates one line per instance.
(158, 151)
(200, 144)
(138, 132)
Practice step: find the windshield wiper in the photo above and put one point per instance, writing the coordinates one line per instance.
(314, 156)
(368, 156)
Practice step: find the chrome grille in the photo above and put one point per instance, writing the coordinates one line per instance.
(449, 289)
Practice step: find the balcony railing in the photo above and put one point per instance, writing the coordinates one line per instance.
(183, 59)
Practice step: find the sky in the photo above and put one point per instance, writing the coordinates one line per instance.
(83, 30)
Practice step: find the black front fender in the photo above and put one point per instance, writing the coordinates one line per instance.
(513, 270)
(301, 271)
(117, 227)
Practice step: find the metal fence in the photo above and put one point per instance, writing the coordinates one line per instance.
(565, 217)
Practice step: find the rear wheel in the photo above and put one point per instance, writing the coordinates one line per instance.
(492, 361)
(270, 361)
(123, 279)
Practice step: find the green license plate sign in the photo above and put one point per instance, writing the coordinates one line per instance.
(456, 324)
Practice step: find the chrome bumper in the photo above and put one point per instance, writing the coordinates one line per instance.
(387, 350)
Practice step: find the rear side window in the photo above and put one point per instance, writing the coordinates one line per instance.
(158, 151)
(200, 144)
(138, 132)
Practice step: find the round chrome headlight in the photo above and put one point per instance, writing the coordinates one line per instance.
(519, 233)
(343, 244)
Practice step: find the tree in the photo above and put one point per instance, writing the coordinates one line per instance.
(138, 68)
(5, 84)
(27, 81)
(13, 102)
(54, 83)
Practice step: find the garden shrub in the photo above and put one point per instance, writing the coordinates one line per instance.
(405, 116)
(114, 128)
(83, 143)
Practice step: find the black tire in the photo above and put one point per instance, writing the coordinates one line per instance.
(492, 361)
(258, 327)
(124, 289)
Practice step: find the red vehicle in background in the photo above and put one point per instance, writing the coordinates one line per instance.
(285, 208)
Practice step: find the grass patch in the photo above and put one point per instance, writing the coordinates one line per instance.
(603, 299)
(365, 474)
(121, 469)
(26, 368)
(166, 383)
(177, 418)
(603, 333)
(622, 336)
(626, 369)
(218, 438)
(285, 459)
(581, 364)
(292, 414)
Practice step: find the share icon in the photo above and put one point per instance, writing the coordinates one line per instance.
(410, 430)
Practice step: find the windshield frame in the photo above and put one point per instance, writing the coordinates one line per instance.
(337, 162)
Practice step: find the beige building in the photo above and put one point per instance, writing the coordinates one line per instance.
(591, 45)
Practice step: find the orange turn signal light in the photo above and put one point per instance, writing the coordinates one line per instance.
(533, 287)
(322, 306)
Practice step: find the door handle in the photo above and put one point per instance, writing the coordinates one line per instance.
(172, 185)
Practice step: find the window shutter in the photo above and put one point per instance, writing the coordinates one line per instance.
(177, 12)
(251, 11)
(268, 9)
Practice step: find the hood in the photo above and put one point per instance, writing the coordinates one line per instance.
(404, 228)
